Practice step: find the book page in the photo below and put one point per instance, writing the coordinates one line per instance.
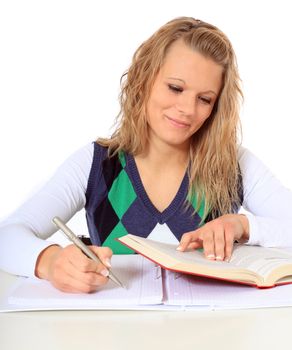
(258, 259)
(141, 277)
(254, 258)
(188, 290)
(166, 253)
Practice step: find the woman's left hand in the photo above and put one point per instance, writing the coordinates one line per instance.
(217, 236)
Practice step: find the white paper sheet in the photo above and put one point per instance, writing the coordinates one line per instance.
(187, 290)
(140, 276)
(148, 288)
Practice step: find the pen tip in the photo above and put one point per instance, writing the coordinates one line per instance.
(116, 281)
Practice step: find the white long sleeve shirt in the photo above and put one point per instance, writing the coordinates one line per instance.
(267, 204)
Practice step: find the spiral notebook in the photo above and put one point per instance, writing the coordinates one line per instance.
(148, 288)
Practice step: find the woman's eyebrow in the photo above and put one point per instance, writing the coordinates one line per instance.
(176, 79)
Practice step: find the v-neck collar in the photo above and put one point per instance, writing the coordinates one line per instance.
(180, 196)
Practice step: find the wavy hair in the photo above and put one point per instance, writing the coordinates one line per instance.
(214, 174)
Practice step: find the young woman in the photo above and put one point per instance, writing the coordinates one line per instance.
(174, 159)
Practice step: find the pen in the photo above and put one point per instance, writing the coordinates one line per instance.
(69, 233)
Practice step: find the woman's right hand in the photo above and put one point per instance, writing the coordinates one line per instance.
(69, 270)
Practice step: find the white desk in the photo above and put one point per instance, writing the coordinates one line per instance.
(139, 330)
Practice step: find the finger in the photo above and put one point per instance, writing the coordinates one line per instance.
(80, 261)
(104, 254)
(219, 242)
(95, 274)
(208, 244)
(195, 245)
(187, 238)
(73, 285)
(92, 279)
(229, 242)
(89, 266)
(81, 264)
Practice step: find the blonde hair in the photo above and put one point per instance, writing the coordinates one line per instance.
(214, 175)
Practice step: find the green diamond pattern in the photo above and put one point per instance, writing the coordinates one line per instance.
(122, 158)
(193, 200)
(117, 247)
(121, 194)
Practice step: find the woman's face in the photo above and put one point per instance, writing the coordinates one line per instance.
(183, 95)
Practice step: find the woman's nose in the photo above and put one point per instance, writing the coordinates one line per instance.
(187, 105)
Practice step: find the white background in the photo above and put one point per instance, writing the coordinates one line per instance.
(61, 61)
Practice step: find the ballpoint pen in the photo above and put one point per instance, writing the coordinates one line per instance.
(69, 233)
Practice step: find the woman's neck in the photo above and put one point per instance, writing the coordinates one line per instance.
(160, 155)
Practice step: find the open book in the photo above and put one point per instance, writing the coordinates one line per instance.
(252, 265)
(148, 288)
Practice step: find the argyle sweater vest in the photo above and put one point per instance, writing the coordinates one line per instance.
(117, 203)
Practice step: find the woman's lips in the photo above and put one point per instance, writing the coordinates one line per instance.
(178, 123)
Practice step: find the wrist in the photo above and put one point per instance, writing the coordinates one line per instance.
(44, 261)
(245, 224)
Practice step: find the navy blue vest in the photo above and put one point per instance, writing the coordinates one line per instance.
(117, 203)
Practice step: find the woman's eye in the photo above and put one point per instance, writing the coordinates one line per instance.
(205, 100)
(175, 88)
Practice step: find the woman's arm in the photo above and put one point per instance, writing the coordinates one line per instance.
(267, 222)
(23, 234)
(268, 204)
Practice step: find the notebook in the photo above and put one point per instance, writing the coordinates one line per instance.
(148, 288)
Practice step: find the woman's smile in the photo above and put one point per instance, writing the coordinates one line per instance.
(177, 122)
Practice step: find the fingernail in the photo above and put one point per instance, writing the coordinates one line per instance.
(107, 262)
(219, 257)
(179, 248)
(211, 256)
(105, 273)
